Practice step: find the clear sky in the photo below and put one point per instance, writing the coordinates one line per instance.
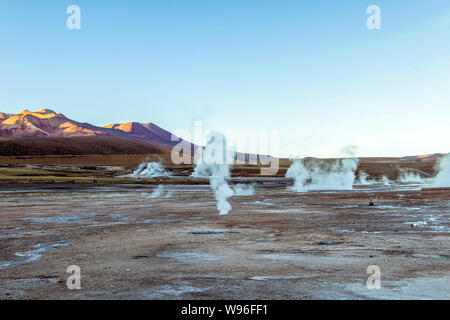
(310, 69)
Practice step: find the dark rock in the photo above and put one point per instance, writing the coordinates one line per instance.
(209, 232)
(327, 243)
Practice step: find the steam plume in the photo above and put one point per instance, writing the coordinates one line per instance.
(443, 177)
(409, 176)
(385, 180)
(212, 164)
(363, 178)
(324, 175)
(201, 170)
(243, 190)
(159, 191)
(150, 170)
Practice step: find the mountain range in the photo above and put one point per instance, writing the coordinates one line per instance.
(45, 132)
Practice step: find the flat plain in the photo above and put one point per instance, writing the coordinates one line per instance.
(131, 243)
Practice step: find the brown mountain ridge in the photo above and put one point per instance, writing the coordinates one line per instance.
(45, 132)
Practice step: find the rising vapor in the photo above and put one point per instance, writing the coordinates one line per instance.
(320, 174)
(212, 163)
(150, 170)
(443, 177)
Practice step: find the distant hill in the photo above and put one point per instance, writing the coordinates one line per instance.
(93, 145)
(46, 123)
(423, 158)
(44, 132)
(145, 131)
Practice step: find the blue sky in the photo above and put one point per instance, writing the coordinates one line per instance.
(310, 69)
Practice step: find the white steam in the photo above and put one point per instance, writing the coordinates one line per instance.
(212, 163)
(409, 176)
(159, 191)
(443, 177)
(150, 170)
(385, 181)
(220, 187)
(323, 175)
(243, 190)
(201, 170)
(363, 178)
(319, 174)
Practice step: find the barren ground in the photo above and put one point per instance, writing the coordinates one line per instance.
(276, 244)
